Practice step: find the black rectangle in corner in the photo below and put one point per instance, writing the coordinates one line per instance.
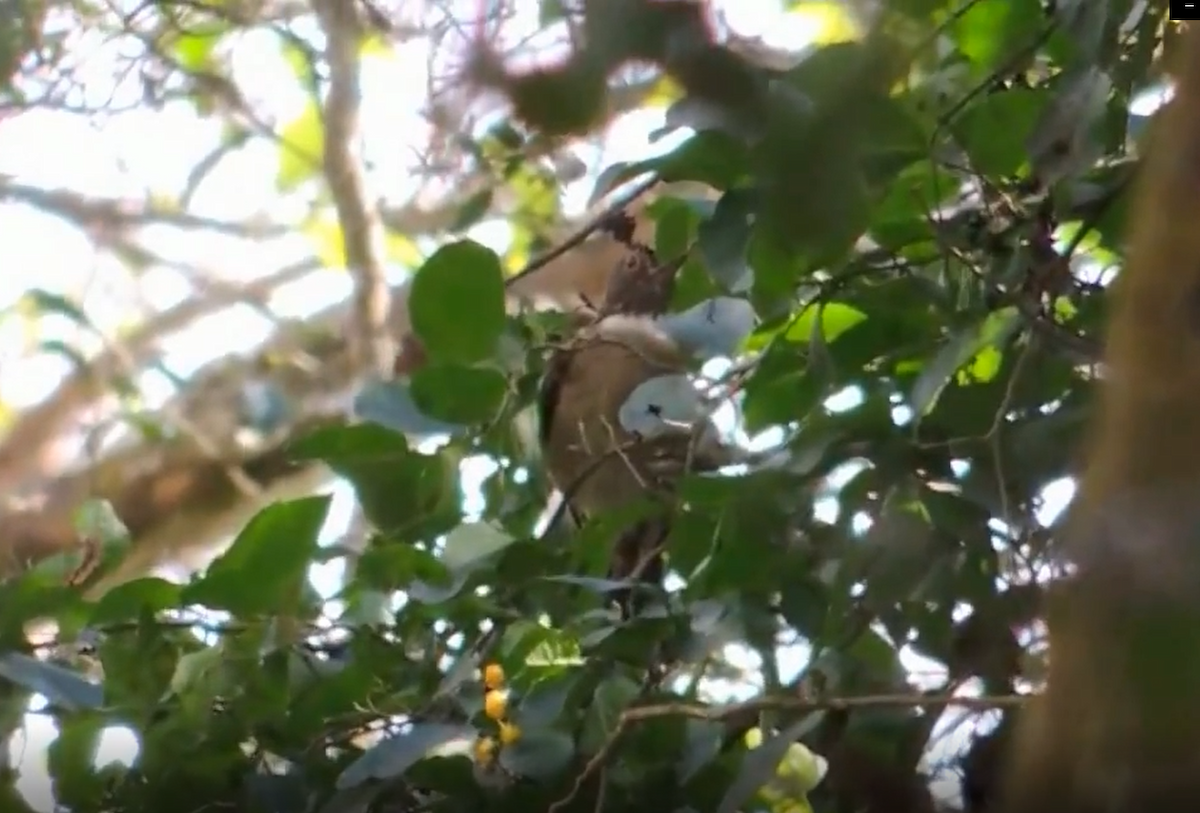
(1189, 10)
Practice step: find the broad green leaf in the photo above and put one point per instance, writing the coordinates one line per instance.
(962, 347)
(402, 250)
(399, 489)
(824, 21)
(71, 760)
(131, 599)
(675, 222)
(391, 404)
(60, 686)
(298, 60)
(543, 705)
(554, 648)
(704, 740)
(375, 46)
(724, 239)
(396, 754)
(991, 32)
(263, 570)
(46, 302)
(550, 11)
(701, 115)
(899, 554)
(711, 157)
(920, 10)
(325, 234)
(995, 128)
(301, 148)
(196, 668)
(1065, 141)
(835, 319)
(391, 565)
(469, 545)
(194, 47)
(473, 210)
(539, 754)
(609, 702)
(457, 393)
(457, 302)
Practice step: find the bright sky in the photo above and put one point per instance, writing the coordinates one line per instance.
(140, 151)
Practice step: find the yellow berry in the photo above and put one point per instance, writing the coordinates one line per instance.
(495, 704)
(485, 750)
(493, 676)
(509, 733)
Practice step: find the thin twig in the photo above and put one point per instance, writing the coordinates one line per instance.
(697, 711)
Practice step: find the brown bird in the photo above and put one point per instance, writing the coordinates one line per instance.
(597, 463)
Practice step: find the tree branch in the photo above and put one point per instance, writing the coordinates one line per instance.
(26, 452)
(361, 236)
(108, 215)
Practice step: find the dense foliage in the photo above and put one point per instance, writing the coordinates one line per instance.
(923, 218)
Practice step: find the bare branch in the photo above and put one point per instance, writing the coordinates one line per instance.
(107, 215)
(361, 237)
(26, 454)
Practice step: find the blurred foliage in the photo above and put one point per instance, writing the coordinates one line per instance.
(918, 211)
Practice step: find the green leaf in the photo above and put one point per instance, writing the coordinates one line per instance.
(325, 234)
(263, 570)
(898, 548)
(994, 129)
(609, 702)
(301, 148)
(539, 754)
(550, 11)
(195, 668)
(990, 33)
(469, 545)
(60, 686)
(71, 760)
(704, 740)
(396, 754)
(711, 157)
(675, 223)
(457, 393)
(131, 599)
(298, 59)
(835, 319)
(964, 345)
(543, 705)
(46, 302)
(473, 210)
(194, 47)
(724, 239)
(457, 303)
(391, 404)
(399, 489)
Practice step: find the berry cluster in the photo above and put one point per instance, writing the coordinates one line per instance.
(495, 707)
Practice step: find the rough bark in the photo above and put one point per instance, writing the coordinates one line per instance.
(1118, 727)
